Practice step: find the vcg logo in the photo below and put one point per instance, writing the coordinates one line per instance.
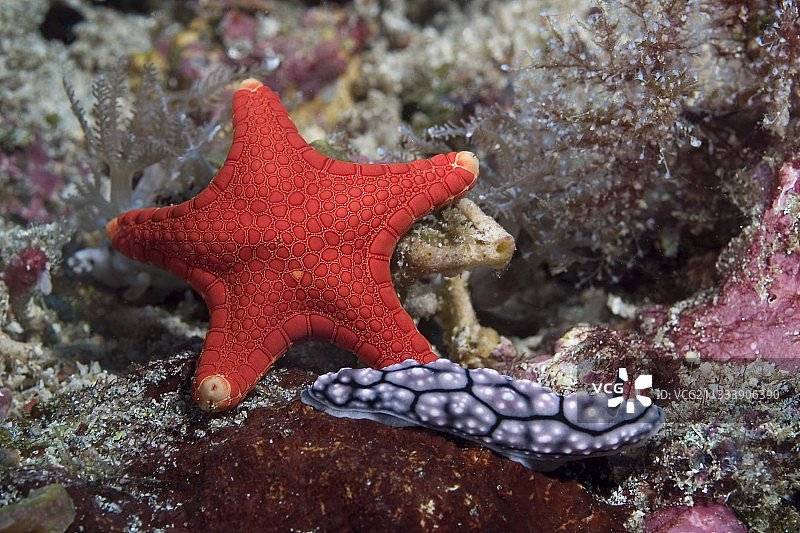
(615, 390)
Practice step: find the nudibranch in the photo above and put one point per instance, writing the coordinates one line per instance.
(518, 419)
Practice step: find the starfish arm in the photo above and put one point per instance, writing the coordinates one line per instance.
(385, 334)
(428, 184)
(419, 187)
(416, 188)
(129, 235)
(166, 238)
(366, 316)
(231, 364)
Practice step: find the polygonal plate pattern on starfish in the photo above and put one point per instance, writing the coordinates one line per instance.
(287, 244)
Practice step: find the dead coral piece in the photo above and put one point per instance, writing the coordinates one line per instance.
(589, 354)
(459, 239)
(12, 350)
(468, 343)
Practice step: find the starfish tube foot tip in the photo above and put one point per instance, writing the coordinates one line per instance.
(213, 393)
(250, 84)
(468, 161)
(111, 228)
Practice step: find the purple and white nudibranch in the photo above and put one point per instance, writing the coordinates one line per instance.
(518, 419)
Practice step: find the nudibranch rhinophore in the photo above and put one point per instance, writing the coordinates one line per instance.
(518, 419)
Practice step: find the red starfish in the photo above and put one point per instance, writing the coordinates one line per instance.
(286, 244)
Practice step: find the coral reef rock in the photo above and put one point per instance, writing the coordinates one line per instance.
(754, 313)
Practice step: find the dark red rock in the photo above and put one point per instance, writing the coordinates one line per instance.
(298, 468)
